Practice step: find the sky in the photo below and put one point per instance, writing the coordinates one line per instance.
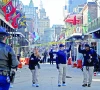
(54, 9)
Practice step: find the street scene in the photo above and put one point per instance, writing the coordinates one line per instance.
(49, 44)
(48, 79)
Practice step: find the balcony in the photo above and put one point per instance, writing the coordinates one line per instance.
(94, 25)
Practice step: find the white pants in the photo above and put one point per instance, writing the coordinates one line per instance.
(62, 73)
(35, 74)
(87, 74)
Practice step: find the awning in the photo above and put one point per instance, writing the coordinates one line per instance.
(3, 19)
(74, 35)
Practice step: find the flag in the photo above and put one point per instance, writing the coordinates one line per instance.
(22, 22)
(36, 36)
(15, 20)
(32, 35)
(8, 18)
(8, 9)
(74, 21)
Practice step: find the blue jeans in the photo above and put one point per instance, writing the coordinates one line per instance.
(4, 85)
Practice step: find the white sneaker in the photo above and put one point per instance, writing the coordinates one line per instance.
(63, 84)
(11, 86)
(33, 85)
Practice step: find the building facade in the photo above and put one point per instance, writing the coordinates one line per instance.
(58, 29)
(89, 12)
(48, 35)
(79, 8)
(71, 4)
(43, 21)
(98, 6)
(31, 13)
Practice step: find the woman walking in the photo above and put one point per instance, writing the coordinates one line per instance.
(34, 66)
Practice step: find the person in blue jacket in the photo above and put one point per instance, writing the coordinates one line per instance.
(61, 64)
(90, 59)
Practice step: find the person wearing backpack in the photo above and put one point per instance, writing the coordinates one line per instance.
(90, 58)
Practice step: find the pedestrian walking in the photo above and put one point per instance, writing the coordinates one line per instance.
(90, 58)
(8, 60)
(34, 66)
(61, 64)
(45, 54)
(51, 56)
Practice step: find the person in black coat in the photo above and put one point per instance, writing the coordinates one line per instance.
(51, 56)
(90, 59)
(34, 67)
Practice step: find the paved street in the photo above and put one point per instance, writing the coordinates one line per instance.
(48, 79)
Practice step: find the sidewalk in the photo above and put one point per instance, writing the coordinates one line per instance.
(48, 79)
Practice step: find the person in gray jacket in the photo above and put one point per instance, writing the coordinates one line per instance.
(8, 60)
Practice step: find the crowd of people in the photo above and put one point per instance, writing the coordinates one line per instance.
(9, 62)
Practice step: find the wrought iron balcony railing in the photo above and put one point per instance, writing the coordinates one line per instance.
(94, 25)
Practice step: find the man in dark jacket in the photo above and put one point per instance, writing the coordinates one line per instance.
(90, 58)
(61, 64)
(45, 54)
(51, 56)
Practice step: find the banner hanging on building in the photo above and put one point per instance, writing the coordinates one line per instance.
(8, 9)
(15, 20)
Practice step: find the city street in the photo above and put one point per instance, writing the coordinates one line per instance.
(48, 79)
(52, 30)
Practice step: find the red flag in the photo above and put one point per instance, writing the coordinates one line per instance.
(8, 9)
(15, 21)
(71, 20)
(8, 18)
(74, 21)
